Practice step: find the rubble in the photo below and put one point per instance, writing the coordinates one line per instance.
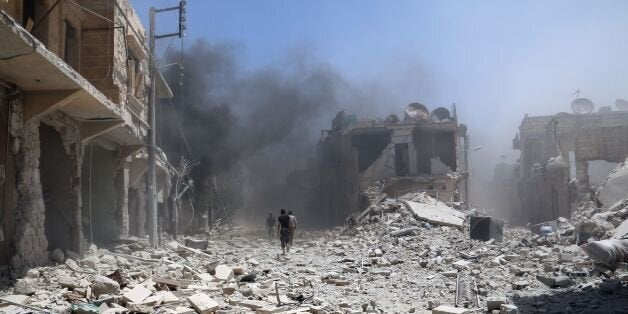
(389, 261)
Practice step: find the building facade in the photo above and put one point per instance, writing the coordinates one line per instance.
(74, 87)
(424, 152)
(556, 152)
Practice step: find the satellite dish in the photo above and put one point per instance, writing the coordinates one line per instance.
(582, 106)
(416, 111)
(621, 104)
(440, 114)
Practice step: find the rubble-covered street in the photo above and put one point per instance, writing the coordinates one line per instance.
(391, 262)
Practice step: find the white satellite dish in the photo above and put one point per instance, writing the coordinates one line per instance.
(582, 106)
(621, 104)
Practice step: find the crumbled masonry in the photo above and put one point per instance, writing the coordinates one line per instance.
(371, 268)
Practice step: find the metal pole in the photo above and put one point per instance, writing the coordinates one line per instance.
(152, 182)
(467, 148)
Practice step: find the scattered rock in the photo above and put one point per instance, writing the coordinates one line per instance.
(104, 285)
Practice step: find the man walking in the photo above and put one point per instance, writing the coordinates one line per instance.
(270, 225)
(283, 229)
(293, 226)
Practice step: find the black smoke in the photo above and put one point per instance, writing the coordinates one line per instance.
(250, 128)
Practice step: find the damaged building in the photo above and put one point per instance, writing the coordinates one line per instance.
(73, 100)
(423, 152)
(562, 154)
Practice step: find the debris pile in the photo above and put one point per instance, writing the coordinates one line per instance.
(397, 257)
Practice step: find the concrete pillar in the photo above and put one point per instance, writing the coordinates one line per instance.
(30, 239)
(76, 154)
(142, 209)
(582, 174)
(122, 188)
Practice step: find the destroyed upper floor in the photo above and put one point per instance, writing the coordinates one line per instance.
(423, 143)
(93, 54)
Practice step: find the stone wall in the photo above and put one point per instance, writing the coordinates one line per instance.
(30, 239)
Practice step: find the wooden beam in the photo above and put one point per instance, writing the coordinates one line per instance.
(91, 129)
(40, 103)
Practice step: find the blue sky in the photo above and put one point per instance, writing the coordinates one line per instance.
(497, 60)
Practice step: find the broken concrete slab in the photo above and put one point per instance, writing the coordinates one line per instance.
(205, 277)
(26, 286)
(136, 295)
(168, 297)
(437, 213)
(203, 303)
(224, 273)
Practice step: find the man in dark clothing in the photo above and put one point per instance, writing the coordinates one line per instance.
(283, 228)
(270, 225)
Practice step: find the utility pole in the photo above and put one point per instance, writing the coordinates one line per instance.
(152, 142)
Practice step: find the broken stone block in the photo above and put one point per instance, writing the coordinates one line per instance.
(168, 297)
(224, 272)
(197, 244)
(444, 309)
(520, 285)
(228, 290)
(90, 261)
(404, 232)
(204, 277)
(508, 309)
(57, 256)
(68, 282)
(136, 295)
(72, 264)
(104, 285)
(203, 303)
(495, 303)
(25, 286)
(17, 298)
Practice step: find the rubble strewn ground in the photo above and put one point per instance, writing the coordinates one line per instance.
(390, 262)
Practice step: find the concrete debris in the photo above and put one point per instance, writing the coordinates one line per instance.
(137, 295)
(202, 303)
(392, 260)
(437, 213)
(104, 285)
